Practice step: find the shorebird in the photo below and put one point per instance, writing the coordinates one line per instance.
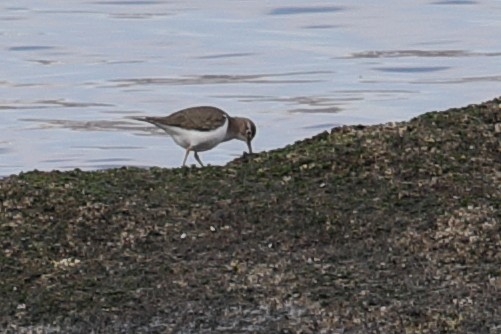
(202, 128)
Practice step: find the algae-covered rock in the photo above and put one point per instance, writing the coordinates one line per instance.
(392, 228)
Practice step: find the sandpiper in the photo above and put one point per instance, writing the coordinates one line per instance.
(202, 128)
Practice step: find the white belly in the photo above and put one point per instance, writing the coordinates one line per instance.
(197, 140)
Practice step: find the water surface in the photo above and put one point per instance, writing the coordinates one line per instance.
(72, 74)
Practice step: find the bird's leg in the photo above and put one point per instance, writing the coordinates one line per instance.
(186, 156)
(198, 159)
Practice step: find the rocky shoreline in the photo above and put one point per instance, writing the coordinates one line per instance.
(392, 228)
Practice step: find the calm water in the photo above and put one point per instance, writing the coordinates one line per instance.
(73, 72)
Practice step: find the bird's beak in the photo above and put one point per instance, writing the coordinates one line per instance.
(249, 146)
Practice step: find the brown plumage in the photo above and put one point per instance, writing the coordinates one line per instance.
(195, 118)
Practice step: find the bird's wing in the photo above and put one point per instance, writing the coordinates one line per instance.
(198, 118)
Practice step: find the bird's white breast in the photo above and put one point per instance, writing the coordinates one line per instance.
(195, 139)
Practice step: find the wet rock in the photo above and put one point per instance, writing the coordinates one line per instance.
(364, 229)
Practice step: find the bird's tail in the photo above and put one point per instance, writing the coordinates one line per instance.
(142, 119)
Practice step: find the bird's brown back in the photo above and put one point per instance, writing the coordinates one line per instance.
(202, 118)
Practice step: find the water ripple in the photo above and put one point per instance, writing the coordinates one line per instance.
(304, 10)
(211, 79)
(421, 53)
(412, 69)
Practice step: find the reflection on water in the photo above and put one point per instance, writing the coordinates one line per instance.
(72, 76)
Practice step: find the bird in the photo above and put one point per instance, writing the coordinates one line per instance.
(201, 128)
